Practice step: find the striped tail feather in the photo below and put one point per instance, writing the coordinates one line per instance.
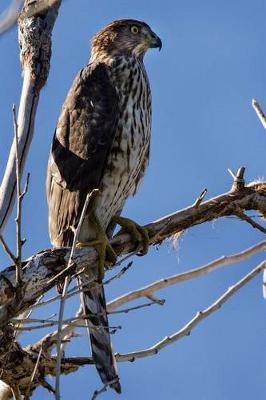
(94, 306)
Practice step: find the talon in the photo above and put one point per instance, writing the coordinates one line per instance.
(138, 233)
(102, 246)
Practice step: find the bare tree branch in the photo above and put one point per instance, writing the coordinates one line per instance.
(68, 365)
(259, 112)
(36, 7)
(149, 290)
(19, 201)
(43, 271)
(200, 316)
(240, 214)
(35, 43)
(9, 17)
(186, 330)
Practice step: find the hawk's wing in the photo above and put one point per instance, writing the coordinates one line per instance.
(81, 144)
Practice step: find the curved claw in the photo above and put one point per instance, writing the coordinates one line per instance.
(145, 240)
(137, 232)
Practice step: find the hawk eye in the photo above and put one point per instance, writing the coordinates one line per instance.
(134, 29)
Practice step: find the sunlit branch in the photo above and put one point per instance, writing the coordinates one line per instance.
(149, 290)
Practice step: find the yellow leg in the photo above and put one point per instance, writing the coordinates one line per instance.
(138, 233)
(101, 244)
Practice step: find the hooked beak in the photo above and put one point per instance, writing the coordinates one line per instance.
(156, 42)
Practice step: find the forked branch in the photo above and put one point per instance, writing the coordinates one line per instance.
(43, 271)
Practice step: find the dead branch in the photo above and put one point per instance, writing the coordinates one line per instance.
(68, 330)
(9, 17)
(71, 364)
(43, 270)
(19, 202)
(35, 53)
(238, 179)
(259, 112)
(149, 290)
(241, 215)
(200, 316)
(48, 365)
(185, 331)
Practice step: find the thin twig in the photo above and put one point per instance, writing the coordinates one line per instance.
(26, 316)
(259, 112)
(148, 291)
(33, 374)
(77, 324)
(264, 284)
(64, 295)
(240, 214)
(19, 202)
(154, 299)
(200, 198)
(200, 316)
(103, 389)
(184, 331)
(127, 310)
(48, 322)
(172, 280)
(119, 274)
(231, 173)
(46, 385)
(48, 342)
(70, 293)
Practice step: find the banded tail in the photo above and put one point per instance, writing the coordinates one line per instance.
(94, 305)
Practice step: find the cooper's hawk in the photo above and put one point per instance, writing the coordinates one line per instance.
(102, 142)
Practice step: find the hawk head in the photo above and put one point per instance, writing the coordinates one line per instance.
(125, 37)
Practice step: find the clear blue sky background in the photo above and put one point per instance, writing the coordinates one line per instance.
(212, 64)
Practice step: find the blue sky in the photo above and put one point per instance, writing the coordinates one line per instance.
(212, 64)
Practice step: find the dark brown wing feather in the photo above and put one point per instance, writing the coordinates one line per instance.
(81, 144)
